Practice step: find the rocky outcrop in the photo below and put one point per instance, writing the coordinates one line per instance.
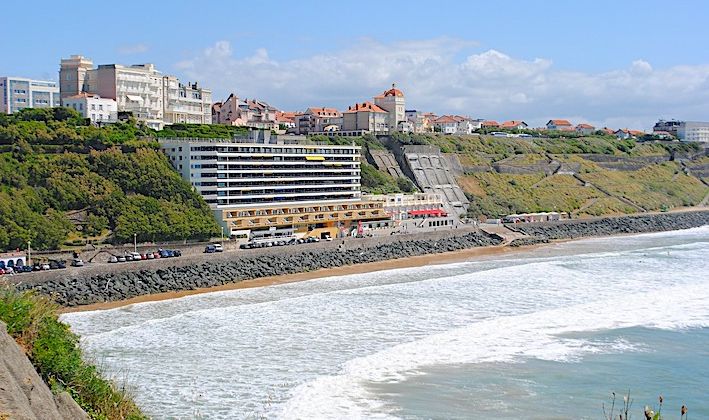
(613, 225)
(73, 291)
(23, 394)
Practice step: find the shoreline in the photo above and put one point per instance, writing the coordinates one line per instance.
(363, 268)
(274, 266)
(450, 257)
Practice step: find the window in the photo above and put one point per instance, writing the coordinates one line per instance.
(93, 107)
(100, 107)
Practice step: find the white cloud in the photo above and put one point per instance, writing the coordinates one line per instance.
(133, 49)
(433, 76)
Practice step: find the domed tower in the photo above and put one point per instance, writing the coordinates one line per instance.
(392, 101)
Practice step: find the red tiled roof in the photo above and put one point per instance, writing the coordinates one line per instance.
(365, 107)
(490, 123)
(324, 112)
(559, 122)
(512, 123)
(446, 119)
(393, 92)
(583, 125)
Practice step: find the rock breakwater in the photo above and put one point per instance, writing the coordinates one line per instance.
(78, 290)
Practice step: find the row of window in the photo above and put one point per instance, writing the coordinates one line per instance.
(282, 150)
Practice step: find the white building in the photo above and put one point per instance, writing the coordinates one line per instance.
(99, 110)
(188, 103)
(405, 206)
(18, 92)
(140, 89)
(392, 101)
(693, 131)
(276, 184)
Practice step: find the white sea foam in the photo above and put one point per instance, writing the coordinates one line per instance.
(506, 339)
(308, 350)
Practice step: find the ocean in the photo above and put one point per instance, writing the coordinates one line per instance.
(545, 333)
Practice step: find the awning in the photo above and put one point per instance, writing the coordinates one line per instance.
(134, 98)
(315, 158)
(431, 212)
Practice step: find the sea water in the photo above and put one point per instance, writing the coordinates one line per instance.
(546, 334)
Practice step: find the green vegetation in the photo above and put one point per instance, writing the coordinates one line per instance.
(203, 131)
(379, 182)
(54, 350)
(52, 163)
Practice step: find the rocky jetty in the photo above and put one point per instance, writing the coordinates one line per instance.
(78, 290)
(644, 223)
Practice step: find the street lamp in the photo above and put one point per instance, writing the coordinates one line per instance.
(29, 252)
(135, 242)
(222, 232)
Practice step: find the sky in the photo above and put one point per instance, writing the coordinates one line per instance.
(610, 63)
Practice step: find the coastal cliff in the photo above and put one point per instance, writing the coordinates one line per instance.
(209, 272)
(23, 394)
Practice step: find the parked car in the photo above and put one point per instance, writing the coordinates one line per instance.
(45, 267)
(156, 254)
(218, 247)
(149, 256)
(136, 256)
(121, 258)
(8, 270)
(128, 257)
(77, 262)
(210, 249)
(113, 259)
(177, 253)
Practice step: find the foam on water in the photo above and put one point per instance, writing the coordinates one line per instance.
(308, 350)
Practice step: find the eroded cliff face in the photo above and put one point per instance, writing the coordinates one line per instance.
(23, 394)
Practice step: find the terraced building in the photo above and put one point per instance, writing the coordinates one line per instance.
(266, 185)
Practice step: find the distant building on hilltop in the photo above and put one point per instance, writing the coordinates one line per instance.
(514, 125)
(17, 93)
(99, 110)
(559, 125)
(139, 89)
(585, 129)
(668, 126)
(366, 117)
(392, 101)
(317, 120)
(247, 113)
(693, 131)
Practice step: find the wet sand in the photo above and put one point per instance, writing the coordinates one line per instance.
(418, 261)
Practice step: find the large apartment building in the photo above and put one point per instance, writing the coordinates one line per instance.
(18, 92)
(140, 89)
(267, 185)
(693, 131)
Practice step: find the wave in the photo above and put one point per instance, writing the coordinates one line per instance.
(507, 339)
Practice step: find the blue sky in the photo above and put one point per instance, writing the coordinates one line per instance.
(617, 63)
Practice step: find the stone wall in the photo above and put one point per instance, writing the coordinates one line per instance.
(85, 289)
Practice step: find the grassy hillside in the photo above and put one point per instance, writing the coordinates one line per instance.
(52, 165)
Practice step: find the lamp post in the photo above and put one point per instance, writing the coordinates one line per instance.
(222, 233)
(135, 242)
(29, 252)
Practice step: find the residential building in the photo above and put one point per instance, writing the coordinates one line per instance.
(318, 120)
(489, 124)
(186, 104)
(693, 131)
(99, 110)
(446, 124)
(624, 134)
(405, 206)
(366, 117)
(267, 185)
(585, 129)
(17, 93)
(140, 89)
(392, 101)
(669, 126)
(247, 113)
(285, 119)
(421, 123)
(514, 125)
(559, 125)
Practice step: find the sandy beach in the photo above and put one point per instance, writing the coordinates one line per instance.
(417, 261)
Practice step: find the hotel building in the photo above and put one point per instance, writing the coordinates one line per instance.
(17, 93)
(268, 185)
(140, 89)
